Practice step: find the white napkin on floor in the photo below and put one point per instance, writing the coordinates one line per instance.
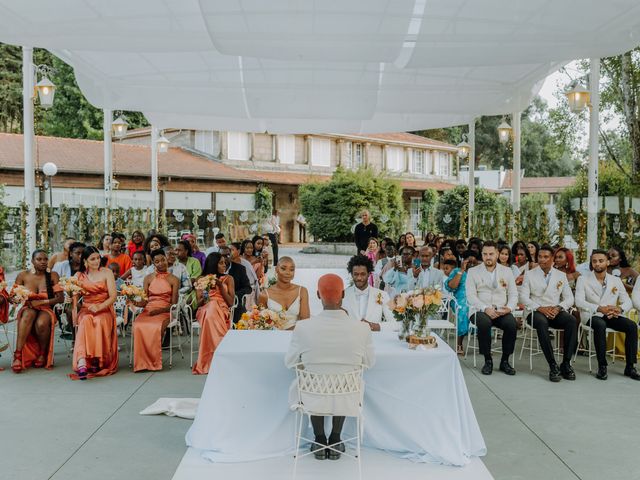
(173, 407)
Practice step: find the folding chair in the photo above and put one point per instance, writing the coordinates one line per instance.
(443, 323)
(330, 385)
(473, 333)
(586, 317)
(531, 335)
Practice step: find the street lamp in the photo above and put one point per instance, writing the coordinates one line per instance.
(578, 98)
(119, 127)
(50, 169)
(463, 148)
(163, 144)
(46, 91)
(504, 131)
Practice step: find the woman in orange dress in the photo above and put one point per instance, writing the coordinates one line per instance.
(213, 316)
(95, 351)
(36, 320)
(161, 288)
(4, 307)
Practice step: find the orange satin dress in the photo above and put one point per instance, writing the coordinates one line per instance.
(96, 337)
(213, 318)
(148, 329)
(4, 306)
(31, 350)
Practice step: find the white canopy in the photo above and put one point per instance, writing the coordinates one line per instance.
(318, 65)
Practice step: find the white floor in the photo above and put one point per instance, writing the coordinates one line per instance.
(376, 465)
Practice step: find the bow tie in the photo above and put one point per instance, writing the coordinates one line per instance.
(360, 293)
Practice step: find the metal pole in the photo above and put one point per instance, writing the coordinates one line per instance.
(472, 174)
(516, 173)
(594, 144)
(108, 155)
(154, 174)
(29, 139)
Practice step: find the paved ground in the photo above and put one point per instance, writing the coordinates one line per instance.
(55, 428)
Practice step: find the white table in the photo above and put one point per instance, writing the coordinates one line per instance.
(416, 404)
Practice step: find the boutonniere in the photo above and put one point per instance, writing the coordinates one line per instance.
(614, 290)
(503, 283)
(560, 284)
(379, 298)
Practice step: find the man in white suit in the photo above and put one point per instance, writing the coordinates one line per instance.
(604, 299)
(492, 295)
(326, 343)
(427, 276)
(635, 296)
(546, 294)
(362, 301)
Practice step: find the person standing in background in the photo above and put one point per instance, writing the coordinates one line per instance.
(302, 228)
(364, 231)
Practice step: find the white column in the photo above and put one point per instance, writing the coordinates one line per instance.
(472, 173)
(154, 172)
(108, 155)
(516, 172)
(29, 138)
(594, 123)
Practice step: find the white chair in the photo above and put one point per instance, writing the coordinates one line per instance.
(200, 237)
(195, 325)
(184, 232)
(172, 327)
(531, 335)
(590, 350)
(120, 308)
(473, 333)
(329, 385)
(9, 239)
(172, 235)
(443, 323)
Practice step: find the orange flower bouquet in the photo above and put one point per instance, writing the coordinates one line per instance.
(261, 319)
(19, 294)
(206, 283)
(133, 293)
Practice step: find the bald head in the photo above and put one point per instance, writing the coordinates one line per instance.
(331, 291)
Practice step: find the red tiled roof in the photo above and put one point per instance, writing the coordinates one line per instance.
(403, 137)
(539, 184)
(86, 156)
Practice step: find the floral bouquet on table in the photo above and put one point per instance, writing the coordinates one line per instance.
(261, 319)
(133, 293)
(414, 309)
(206, 283)
(19, 294)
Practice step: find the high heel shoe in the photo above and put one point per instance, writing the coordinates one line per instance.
(16, 366)
(39, 363)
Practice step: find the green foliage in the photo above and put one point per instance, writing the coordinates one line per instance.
(453, 202)
(429, 202)
(330, 208)
(263, 203)
(4, 212)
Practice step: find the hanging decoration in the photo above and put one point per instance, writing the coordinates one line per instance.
(162, 222)
(544, 226)
(24, 235)
(508, 227)
(561, 228)
(602, 228)
(96, 223)
(43, 221)
(463, 224)
(582, 236)
(63, 211)
(196, 214)
(517, 225)
(630, 228)
(82, 224)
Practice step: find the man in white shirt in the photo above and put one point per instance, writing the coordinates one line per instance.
(492, 295)
(546, 293)
(68, 268)
(220, 242)
(327, 343)
(362, 301)
(427, 276)
(400, 277)
(604, 299)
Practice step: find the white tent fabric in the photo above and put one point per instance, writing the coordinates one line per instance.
(318, 65)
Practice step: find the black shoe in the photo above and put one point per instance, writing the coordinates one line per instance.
(487, 369)
(567, 371)
(632, 373)
(506, 368)
(318, 450)
(602, 373)
(554, 373)
(332, 454)
(66, 336)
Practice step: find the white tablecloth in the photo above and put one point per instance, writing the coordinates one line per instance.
(416, 403)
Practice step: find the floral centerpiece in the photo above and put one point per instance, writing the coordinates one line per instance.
(19, 294)
(133, 293)
(261, 319)
(414, 309)
(206, 283)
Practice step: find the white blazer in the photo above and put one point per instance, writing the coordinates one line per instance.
(377, 305)
(635, 296)
(430, 277)
(536, 293)
(590, 294)
(326, 343)
(483, 292)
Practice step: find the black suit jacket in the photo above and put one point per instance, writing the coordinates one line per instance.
(242, 286)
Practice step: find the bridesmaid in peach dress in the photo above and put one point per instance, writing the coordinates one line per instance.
(36, 320)
(213, 316)
(161, 288)
(95, 351)
(4, 308)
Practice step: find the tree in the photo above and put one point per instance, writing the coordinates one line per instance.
(452, 202)
(428, 214)
(332, 207)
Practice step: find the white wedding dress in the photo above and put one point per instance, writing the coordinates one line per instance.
(292, 314)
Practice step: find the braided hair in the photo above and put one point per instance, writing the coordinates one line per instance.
(47, 274)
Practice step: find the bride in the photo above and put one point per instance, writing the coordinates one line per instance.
(287, 297)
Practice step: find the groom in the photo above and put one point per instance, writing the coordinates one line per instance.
(330, 342)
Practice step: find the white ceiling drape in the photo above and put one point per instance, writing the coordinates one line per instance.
(318, 65)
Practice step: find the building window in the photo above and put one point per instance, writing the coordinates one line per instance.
(415, 215)
(286, 149)
(320, 152)
(395, 159)
(358, 155)
(238, 145)
(443, 164)
(347, 159)
(418, 161)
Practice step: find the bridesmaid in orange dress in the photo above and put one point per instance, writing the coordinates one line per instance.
(213, 316)
(4, 308)
(36, 320)
(161, 288)
(95, 351)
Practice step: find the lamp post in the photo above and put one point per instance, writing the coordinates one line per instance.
(580, 98)
(49, 169)
(504, 131)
